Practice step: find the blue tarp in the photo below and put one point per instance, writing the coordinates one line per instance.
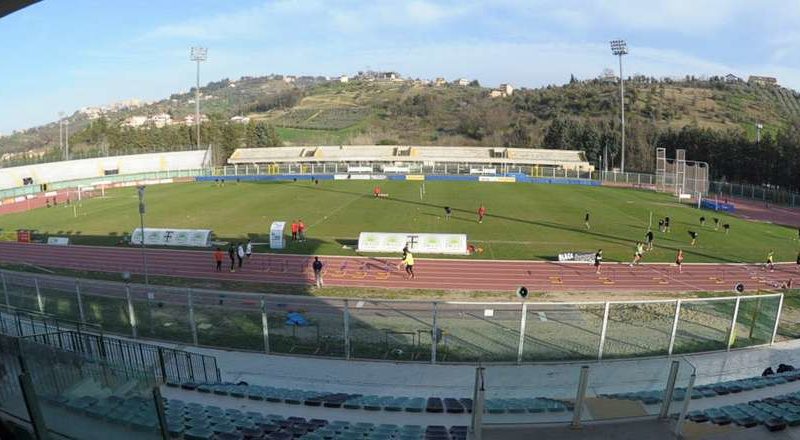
(717, 206)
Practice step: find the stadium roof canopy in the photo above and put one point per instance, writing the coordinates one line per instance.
(11, 6)
(570, 159)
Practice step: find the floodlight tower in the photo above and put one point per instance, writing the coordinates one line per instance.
(620, 48)
(61, 131)
(198, 55)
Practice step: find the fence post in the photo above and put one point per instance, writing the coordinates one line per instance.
(603, 332)
(32, 405)
(131, 314)
(265, 325)
(777, 320)
(674, 327)
(5, 288)
(732, 329)
(478, 396)
(346, 313)
(39, 300)
(80, 300)
(583, 382)
(685, 408)
(522, 325)
(192, 323)
(434, 335)
(162, 419)
(669, 390)
(161, 364)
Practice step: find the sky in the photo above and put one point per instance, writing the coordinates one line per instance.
(60, 55)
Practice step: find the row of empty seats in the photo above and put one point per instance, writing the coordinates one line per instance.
(195, 421)
(774, 413)
(711, 390)
(451, 405)
(333, 400)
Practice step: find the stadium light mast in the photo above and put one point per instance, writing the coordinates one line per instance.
(66, 137)
(140, 190)
(198, 55)
(620, 48)
(61, 131)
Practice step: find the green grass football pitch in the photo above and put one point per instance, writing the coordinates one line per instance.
(524, 221)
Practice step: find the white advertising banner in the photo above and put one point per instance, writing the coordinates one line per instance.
(395, 169)
(276, 238)
(503, 179)
(172, 237)
(453, 244)
(483, 170)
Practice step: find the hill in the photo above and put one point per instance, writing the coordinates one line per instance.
(692, 113)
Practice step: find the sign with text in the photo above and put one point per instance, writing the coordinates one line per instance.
(58, 241)
(583, 257)
(453, 244)
(172, 237)
(276, 237)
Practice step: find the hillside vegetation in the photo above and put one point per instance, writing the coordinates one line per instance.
(713, 119)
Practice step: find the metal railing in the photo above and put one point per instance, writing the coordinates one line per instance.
(166, 364)
(762, 193)
(88, 340)
(423, 331)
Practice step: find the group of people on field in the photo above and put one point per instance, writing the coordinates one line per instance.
(238, 252)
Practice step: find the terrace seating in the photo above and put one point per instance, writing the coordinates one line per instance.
(712, 389)
(433, 405)
(195, 421)
(775, 413)
(332, 400)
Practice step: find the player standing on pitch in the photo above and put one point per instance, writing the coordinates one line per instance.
(481, 213)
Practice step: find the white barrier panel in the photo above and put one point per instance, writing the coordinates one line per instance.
(172, 237)
(276, 237)
(503, 179)
(359, 169)
(352, 177)
(483, 170)
(392, 169)
(453, 244)
(58, 241)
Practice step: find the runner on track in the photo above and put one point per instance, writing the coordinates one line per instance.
(637, 253)
(798, 261)
(598, 259)
(408, 261)
(240, 254)
(679, 260)
(317, 266)
(248, 250)
(481, 213)
(770, 260)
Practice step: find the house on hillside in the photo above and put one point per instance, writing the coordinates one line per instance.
(438, 82)
(502, 91)
(463, 82)
(189, 119)
(762, 80)
(240, 119)
(731, 78)
(288, 79)
(134, 121)
(344, 79)
(160, 120)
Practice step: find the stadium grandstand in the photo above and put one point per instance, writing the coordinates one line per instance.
(402, 158)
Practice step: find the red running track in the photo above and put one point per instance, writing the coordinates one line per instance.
(478, 275)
